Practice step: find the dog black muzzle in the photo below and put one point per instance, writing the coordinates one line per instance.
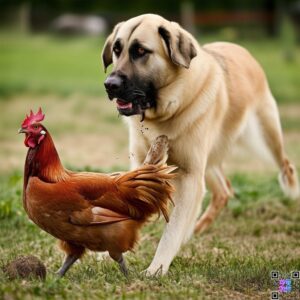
(131, 98)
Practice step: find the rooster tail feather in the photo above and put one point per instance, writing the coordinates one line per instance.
(148, 190)
(149, 187)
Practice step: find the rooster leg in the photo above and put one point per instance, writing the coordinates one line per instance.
(73, 252)
(121, 261)
(69, 261)
(122, 265)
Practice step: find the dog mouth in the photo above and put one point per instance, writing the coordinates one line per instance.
(124, 106)
(130, 108)
(134, 103)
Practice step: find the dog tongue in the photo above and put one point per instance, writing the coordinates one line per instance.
(124, 105)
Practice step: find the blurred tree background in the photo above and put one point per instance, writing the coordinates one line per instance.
(205, 14)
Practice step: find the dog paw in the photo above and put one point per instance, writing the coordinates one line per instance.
(155, 271)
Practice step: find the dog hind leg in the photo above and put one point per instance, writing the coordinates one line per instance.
(221, 192)
(269, 122)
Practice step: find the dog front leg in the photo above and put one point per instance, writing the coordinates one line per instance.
(188, 198)
(138, 148)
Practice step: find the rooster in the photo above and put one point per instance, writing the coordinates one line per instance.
(95, 211)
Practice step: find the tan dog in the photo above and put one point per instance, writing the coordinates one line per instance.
(204, 99)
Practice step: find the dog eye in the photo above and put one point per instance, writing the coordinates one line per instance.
(141, 51)
(138, 52)
(117, 50)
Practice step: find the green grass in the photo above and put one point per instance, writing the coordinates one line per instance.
(48, 64)
(258, 232)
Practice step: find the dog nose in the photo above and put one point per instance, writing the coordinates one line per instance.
(113, 83)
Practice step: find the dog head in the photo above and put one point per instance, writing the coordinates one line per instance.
(146, 53)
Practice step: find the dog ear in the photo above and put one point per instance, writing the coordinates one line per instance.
(180, 47)
(107, 48)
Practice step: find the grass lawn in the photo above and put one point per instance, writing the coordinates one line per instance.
(49, 64)
(258, 231)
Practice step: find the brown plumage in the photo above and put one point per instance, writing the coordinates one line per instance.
(95, 211)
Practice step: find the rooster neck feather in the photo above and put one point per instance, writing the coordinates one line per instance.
(43, 162)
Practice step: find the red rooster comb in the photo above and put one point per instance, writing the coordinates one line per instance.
(33, 118)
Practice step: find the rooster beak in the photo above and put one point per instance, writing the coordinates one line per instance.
(22, 130)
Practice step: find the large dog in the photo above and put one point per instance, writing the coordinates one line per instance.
(204, 99)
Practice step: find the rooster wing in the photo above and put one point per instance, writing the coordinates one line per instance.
(130, 195)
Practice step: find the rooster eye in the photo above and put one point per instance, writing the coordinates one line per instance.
(35, 126)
